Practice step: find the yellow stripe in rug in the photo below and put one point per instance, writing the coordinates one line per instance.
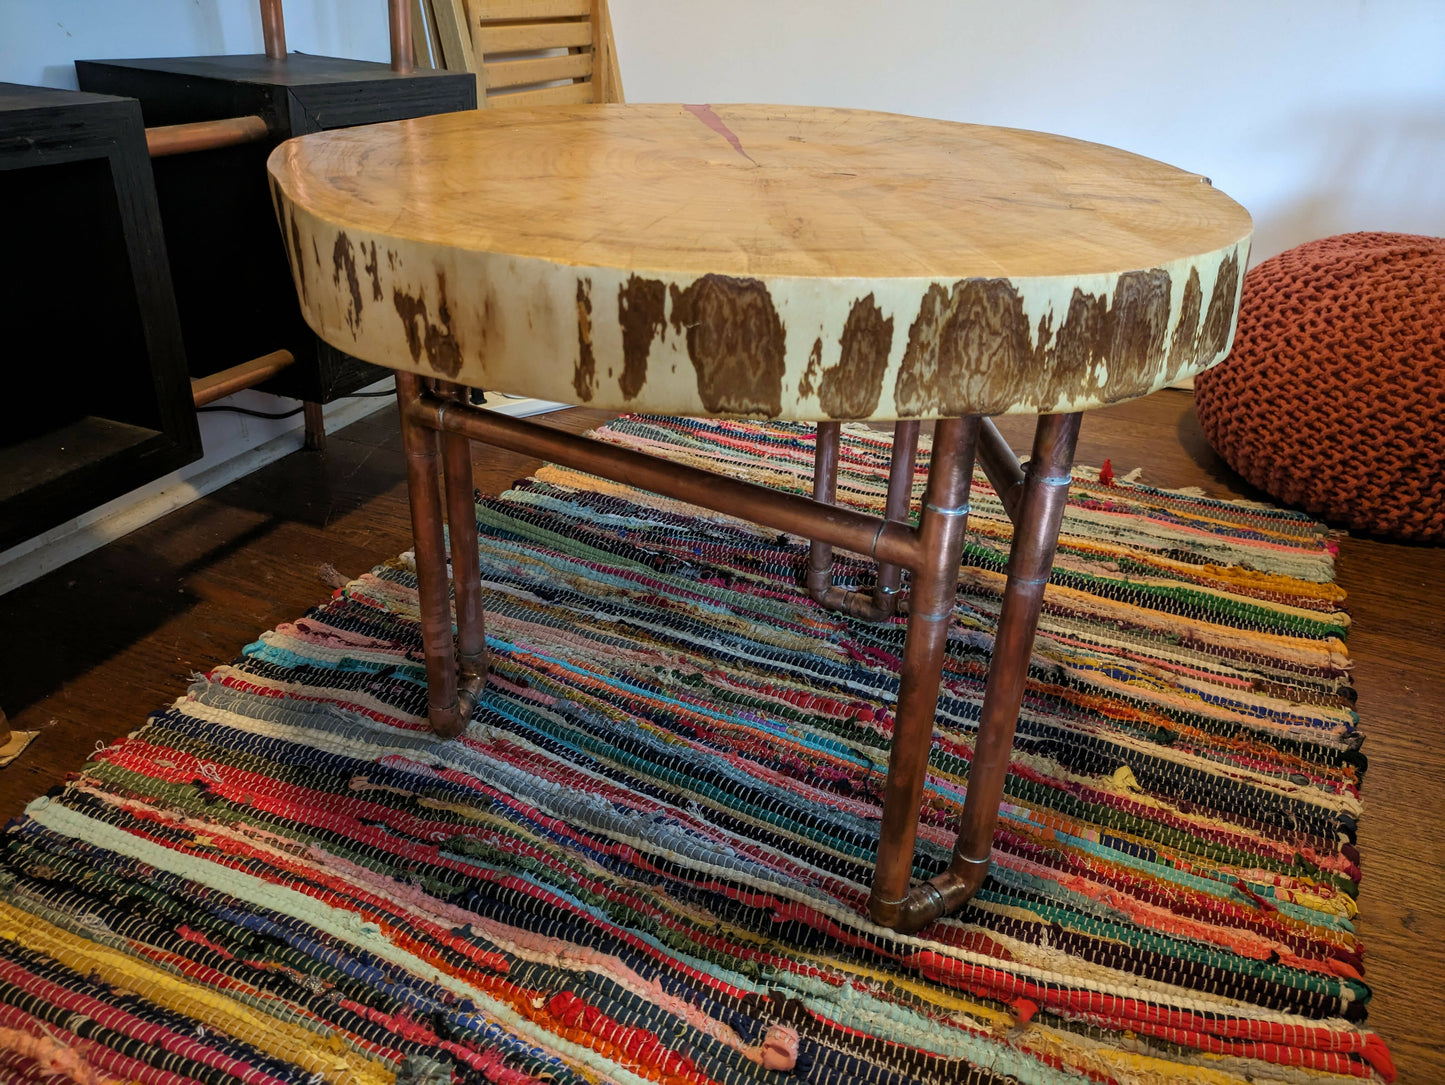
(291, 1043)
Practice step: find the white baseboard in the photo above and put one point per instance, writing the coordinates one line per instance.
(44, 553)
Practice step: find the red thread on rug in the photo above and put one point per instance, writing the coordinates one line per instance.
(1023, 1010)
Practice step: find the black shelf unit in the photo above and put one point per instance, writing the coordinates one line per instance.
(233, 281)
(98, 399)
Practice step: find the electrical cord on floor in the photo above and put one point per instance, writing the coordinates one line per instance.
(253, 414)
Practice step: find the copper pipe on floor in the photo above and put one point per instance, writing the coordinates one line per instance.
(421, 445)
(882, 602)
(1031, 560)
(894, 543)
(1002, 468)
(472, 659)
(208, 389)
(399, 21)
(169, 139)
(273, 29)
(941, 529)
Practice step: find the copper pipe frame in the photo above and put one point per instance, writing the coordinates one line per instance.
(169, 139)
(273, 29)
(1031, 560)
(439, 426)
(403, 60)
(882, 603)
(859, 532)
(1002, 468)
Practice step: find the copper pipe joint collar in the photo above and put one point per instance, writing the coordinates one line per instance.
(448, 721)
(818, 580)
(855, 604)
(920, 907)
(469, 691)
(941, 895)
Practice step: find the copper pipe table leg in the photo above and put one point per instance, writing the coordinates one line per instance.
(934, 591)
(424, 490)
(1031, 560)
(466, 570)
(883, 601)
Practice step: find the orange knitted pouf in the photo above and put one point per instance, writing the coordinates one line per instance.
(1333, 398)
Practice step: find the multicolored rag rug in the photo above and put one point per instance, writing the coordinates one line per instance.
(647, 859)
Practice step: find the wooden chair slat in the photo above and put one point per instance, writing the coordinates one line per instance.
(514, 45)
(517, 73)
(528, 37)
(567, 94)
(499, 11)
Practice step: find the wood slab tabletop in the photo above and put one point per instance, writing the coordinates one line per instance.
(760, 261)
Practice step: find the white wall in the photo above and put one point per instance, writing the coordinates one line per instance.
(1320, 116)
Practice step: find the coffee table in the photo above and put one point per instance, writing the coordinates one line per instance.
(767, 262)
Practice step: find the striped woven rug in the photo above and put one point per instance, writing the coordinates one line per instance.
(647, 859)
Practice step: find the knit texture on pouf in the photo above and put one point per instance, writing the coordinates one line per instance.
(1333, 398)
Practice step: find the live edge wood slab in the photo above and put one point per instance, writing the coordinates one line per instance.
(760, 261)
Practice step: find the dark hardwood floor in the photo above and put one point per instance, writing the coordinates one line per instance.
(96, 645)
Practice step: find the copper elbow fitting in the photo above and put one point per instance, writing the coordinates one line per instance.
(925, 902)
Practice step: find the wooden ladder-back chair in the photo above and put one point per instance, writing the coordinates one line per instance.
(525, 52)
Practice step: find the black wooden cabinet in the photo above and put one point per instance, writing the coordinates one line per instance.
(96, 398)
(232, 280)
